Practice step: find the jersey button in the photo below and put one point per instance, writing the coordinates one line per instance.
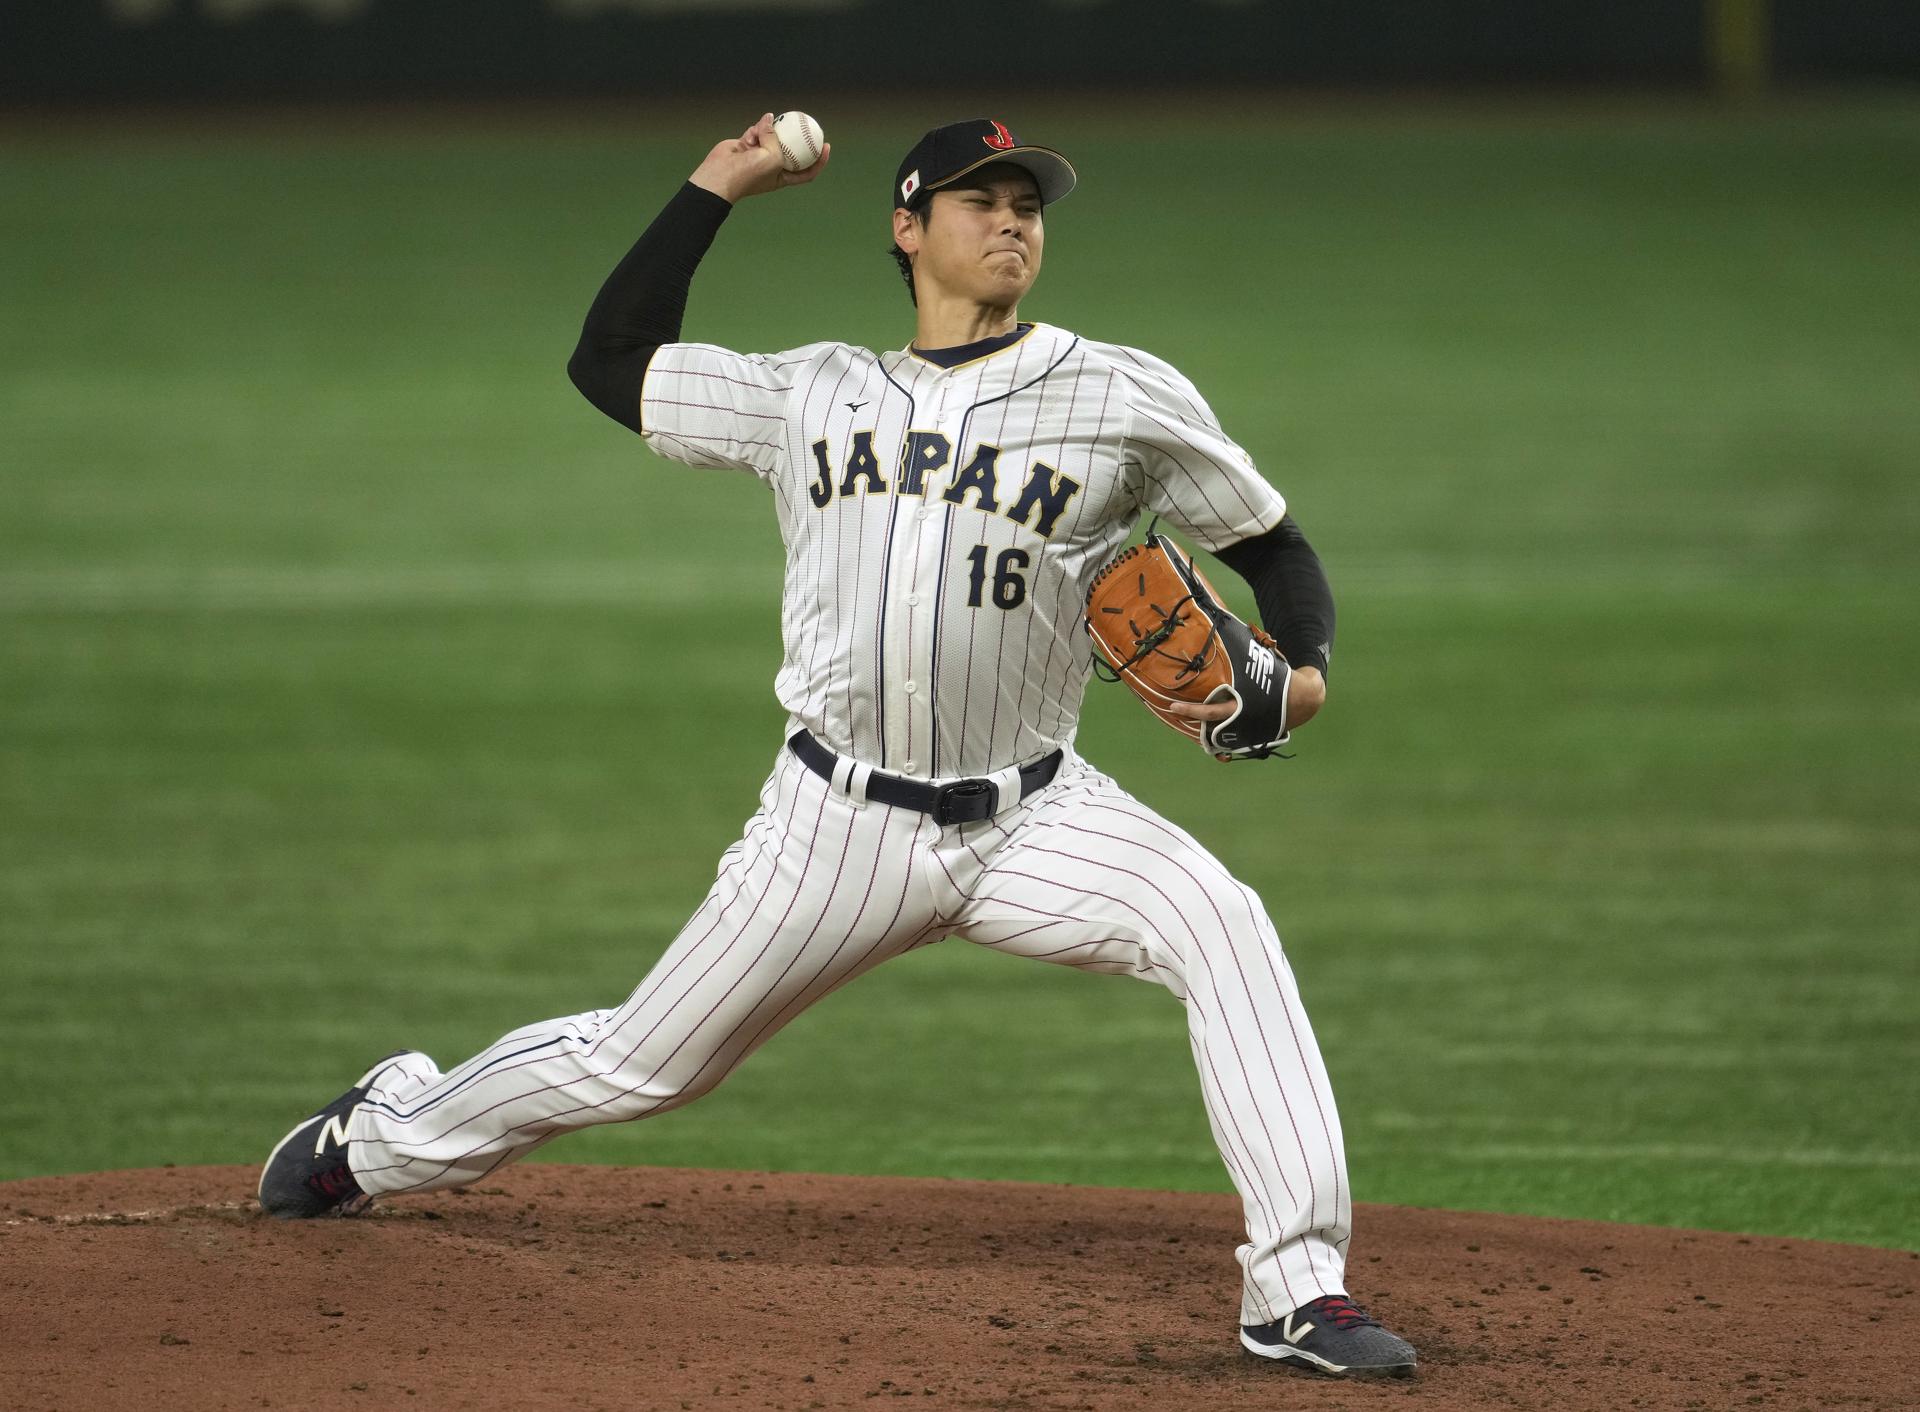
(909, 688)
(913, 600)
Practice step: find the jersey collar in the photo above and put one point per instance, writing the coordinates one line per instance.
(950, 358)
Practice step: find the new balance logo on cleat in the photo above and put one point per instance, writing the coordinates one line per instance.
(1332, 1335)
(295, 1184)
(334, 1130)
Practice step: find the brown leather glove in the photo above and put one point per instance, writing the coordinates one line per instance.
(1158, 626)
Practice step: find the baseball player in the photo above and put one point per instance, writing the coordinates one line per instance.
(944, 507)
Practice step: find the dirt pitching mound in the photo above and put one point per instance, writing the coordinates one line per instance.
(620, 1288)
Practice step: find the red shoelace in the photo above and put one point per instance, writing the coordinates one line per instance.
(338, 1182)
(1342, 1312)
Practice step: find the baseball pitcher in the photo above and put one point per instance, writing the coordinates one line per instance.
(952, 511)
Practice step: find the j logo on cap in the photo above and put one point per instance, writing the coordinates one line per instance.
(948, 153)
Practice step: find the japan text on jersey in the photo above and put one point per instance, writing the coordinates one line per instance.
(942, 525)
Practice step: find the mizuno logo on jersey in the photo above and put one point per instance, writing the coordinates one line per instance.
(1044, 493)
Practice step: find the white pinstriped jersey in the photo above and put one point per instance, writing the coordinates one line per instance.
(943, 526)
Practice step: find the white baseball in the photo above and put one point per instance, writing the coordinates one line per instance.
(801, 141)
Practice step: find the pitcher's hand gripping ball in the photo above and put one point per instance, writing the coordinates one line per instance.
(800, 138)
(1159, 627)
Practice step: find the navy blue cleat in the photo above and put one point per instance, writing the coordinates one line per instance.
(1332, 1335)
(307, 1173)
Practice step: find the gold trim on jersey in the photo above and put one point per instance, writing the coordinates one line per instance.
(955, 367)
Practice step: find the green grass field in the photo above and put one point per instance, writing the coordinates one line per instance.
(360, 685)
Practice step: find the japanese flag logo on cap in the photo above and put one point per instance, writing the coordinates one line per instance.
(909, 186)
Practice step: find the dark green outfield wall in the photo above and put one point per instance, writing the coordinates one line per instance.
(308, 49)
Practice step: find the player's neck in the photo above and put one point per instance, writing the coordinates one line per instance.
(952, 323)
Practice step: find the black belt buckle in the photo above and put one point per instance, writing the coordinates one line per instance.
(963, 802)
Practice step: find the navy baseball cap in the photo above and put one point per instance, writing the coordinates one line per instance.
(948, 153)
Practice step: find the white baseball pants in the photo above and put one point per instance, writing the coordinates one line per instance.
(822, 888)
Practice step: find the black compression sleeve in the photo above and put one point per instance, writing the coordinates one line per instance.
(1296, 601)
(641, 304)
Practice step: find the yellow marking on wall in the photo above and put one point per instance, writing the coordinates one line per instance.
(1739, 47)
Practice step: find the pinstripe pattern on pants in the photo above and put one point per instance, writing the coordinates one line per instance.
(819, 890)
(1090, 877)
